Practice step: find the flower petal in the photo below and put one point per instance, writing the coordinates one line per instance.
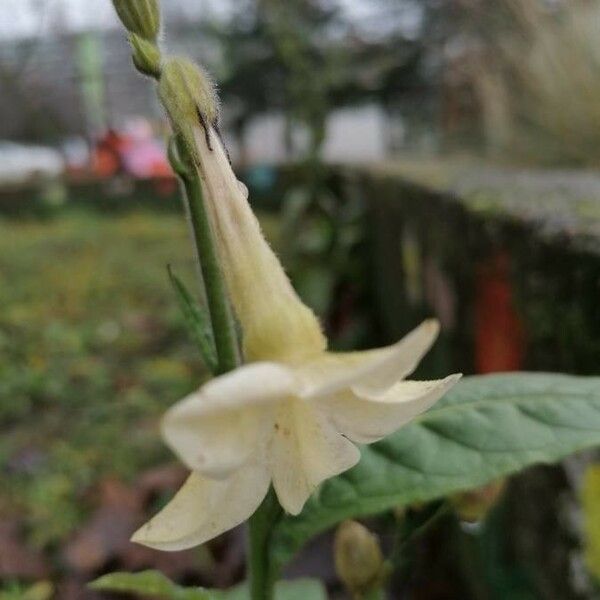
(216, 429)
(204, 508)
(367, 418)
(275, 322)
(305, 450)
(376, 369)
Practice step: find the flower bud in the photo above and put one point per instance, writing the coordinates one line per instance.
(358, 559)
(590, 507)
(188, 95)
(473, 505)
(139, 16)
(146, 56)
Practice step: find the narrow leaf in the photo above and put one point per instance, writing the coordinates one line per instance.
(149, 583)
(155, 584)
(487, 427)
(198, 322)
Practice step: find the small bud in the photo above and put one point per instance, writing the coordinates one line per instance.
(146, 56)
(189, 98)
(358, 559)
(473, 506)
(590, 508)
(139, 16)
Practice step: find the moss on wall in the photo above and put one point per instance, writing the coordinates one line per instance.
(431, 250)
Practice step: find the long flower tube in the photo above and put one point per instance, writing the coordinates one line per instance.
(293, 415)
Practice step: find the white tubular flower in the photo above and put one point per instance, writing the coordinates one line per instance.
(292, 415)
(292, 423)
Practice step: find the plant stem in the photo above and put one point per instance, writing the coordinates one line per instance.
(414, 531)
(470, 561)
(262, 584)
(214, 285)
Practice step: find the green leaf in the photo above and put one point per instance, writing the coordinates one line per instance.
(299, 589)
(153, 583)
(487, 427)
(42, 590)
(198, 322)
(149, 583)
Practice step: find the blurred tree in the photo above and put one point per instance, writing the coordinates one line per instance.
(251, 79)
(278, 56)
(306, 58)
(298, 32)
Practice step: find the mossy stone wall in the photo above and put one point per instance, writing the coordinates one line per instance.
(508, 261)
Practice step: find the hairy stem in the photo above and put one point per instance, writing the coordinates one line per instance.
(214, 285)
(262, 582)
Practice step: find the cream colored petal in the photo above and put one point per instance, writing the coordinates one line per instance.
(204, 508)
(367, 418)
(216, 429)
(275, 322)
(375, 369)
(305, 450)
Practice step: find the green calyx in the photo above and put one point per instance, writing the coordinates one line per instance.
(189, 98)
(177, 162)
(146, 56)
(141, 17)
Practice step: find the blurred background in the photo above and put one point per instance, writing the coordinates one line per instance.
(407, 158)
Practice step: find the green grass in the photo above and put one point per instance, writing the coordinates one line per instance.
(92, 351)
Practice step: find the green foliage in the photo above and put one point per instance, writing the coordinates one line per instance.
(92, 351)
(198, 322)
(295, 29)
(485, 428)
(42, 590)
(321, 241)
(155, 584)
(149, 583)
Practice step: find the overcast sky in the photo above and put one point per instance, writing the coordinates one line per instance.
(27, 18)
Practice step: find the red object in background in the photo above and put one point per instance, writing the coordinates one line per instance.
(499, 331)
(107, 155)
(135, 153)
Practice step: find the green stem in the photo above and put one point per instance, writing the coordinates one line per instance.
(214, 285)
(470, 562)
(262, 582)
(415, 530)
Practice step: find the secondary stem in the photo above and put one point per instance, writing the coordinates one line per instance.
(261, 581)
(216, 294)
(262, 584)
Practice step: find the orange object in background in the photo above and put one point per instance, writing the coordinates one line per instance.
(107, 154)
(499, 331)
(134, 152)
